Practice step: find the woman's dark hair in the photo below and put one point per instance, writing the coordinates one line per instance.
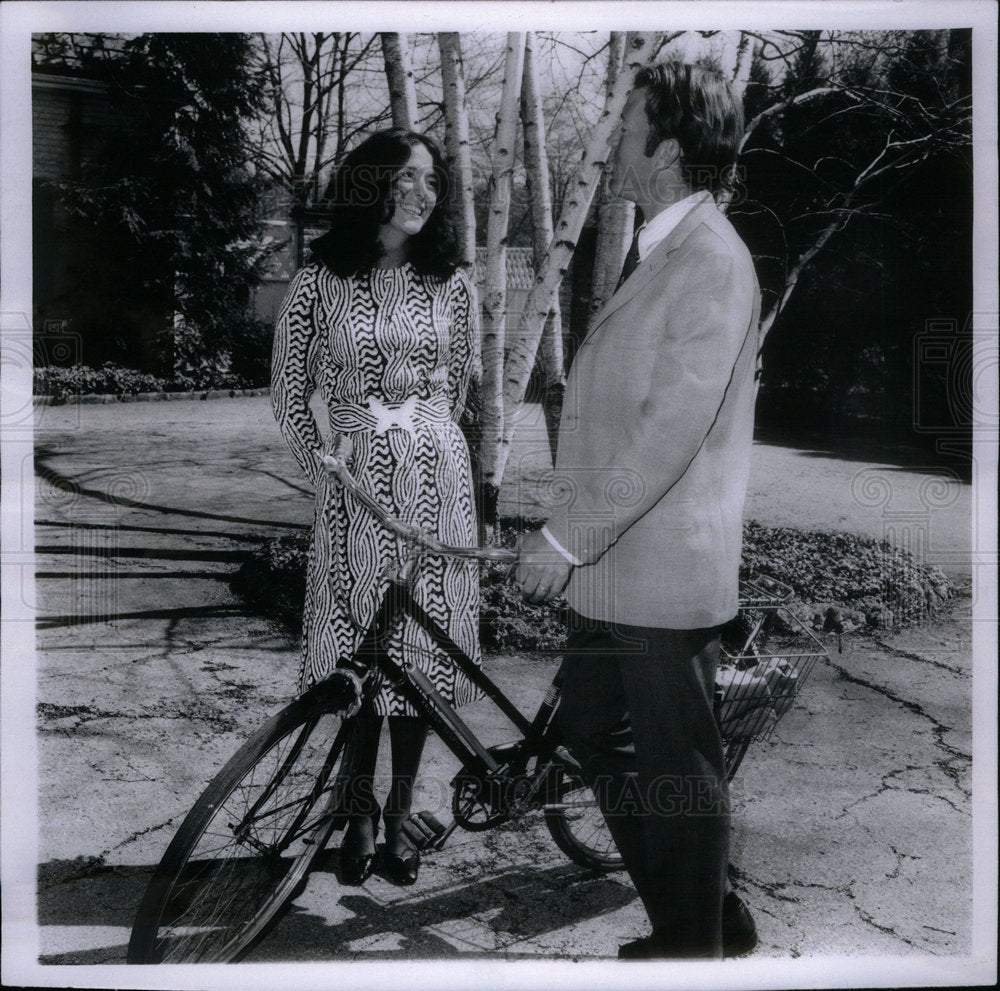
(359, 199)
(696, 106)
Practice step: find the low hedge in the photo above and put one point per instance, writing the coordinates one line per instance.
(59, 383)
(841, 582)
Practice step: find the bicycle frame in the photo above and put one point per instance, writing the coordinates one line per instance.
(417, 688)
(539, 734)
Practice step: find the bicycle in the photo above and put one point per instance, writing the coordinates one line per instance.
(244, 850)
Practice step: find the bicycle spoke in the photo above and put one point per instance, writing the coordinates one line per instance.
(248, 848)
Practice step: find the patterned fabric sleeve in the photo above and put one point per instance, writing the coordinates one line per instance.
(464, 360)
(293, 380)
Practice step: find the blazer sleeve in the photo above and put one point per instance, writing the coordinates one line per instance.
(658, 433)
(464, 358)
(293, 372)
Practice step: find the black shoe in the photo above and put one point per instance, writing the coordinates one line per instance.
(356, 870)
(659, 948)
(401, 870)
(739, 934)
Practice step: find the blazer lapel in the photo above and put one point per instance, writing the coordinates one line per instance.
(653, 264)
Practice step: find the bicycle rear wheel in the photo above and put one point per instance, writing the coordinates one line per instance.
(245, 847)
(575, 820)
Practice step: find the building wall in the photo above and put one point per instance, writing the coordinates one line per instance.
(63, 112)
(72, 121)
(67, 115)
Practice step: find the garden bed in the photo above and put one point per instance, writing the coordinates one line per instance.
(841, 582)
(55, 386)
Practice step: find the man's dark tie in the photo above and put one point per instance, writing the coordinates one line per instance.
(631, 259)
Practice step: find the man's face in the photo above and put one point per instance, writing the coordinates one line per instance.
(631, 171)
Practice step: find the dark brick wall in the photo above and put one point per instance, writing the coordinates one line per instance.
(74, 127)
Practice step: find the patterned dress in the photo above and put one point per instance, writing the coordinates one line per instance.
(391, 353)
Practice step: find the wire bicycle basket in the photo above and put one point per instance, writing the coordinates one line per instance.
(766, 656)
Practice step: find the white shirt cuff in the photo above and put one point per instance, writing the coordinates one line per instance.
(572, 558)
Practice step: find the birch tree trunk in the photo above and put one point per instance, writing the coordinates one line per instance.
(536, 164)
(795, 273)
(456, 139)
(459, 158)
(640, 48)
(743, 44)
(737, 57)
(495, 290)
(399, 74)
(616, 217)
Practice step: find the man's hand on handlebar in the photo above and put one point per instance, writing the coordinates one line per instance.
(542, 572)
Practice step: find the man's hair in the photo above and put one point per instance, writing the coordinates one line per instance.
(697, 107)
(359, 197)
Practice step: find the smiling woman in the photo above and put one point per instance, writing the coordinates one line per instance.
(413, 198)
(383, 323)
(392, 175)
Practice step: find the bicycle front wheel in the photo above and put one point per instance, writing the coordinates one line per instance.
(247, 844)
(576, 823)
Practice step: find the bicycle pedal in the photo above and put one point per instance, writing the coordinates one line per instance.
(423, 829)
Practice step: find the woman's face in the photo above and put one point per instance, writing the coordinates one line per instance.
(413, 193)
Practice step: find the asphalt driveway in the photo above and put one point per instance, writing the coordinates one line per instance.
(852, 829)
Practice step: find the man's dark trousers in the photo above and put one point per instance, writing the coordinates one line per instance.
(637, 713)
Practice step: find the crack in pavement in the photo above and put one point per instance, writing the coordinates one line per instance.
(79, 868)
(887, 930)
(887, 785)
(774, 889)
(900, 857)
(84, 714)
(938, 728)
(132, 837)
(70, 485)
(927, 791)
(909, 655)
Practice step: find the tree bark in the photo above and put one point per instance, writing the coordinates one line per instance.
(399, 74)
(743, 45)
(616, 217)
(737, 57)
(537, 175)
(795, 273)
(640, 48)
(456, 139)
(495, 294)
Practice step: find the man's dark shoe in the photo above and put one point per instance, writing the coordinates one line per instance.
(739, 934)
(659, 948)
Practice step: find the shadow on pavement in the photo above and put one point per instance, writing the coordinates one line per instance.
(895, 456)
(67, 485)
(168, 531)
(190, 612)
(479, 917)
(482, 917)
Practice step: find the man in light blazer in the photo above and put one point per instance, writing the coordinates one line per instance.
(646, 528)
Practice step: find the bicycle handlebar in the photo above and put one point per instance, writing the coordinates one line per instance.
(336, 465)
(759, 590)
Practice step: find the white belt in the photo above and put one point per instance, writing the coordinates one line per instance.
(380, 417)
